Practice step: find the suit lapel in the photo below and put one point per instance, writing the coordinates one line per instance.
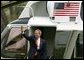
(41, 43)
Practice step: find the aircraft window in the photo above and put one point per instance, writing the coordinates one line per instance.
(17, 53)
(21, 21)
(60, 43)
(16, 48)
(24, 18)
(62, 37)
(59, 6)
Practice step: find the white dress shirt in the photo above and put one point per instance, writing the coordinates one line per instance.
(38, 43)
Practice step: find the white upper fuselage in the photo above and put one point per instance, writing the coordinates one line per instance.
(36, 8)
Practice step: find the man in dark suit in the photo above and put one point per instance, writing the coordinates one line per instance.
(38, 48)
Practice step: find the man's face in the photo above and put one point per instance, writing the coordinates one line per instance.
(37, 34)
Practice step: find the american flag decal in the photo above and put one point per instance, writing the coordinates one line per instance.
(71, 10)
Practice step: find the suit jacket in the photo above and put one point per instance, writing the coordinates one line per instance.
(42, 51)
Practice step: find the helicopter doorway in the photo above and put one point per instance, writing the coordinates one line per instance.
(48, 33)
